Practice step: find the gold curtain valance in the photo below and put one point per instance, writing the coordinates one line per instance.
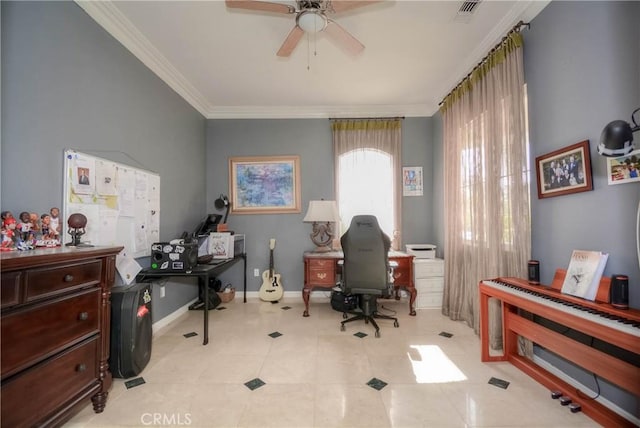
(512, 41)
(365, 125)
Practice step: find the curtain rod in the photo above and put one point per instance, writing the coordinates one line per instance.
(515, 28)
(366, 118)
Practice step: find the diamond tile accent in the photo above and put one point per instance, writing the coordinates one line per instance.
(193, 333)
(134, 382)
(286, 308)
(445, 334)
(275, 334)
(254, 384)
(498, 382)
(221, 308)
(360, 334)
(377, 384)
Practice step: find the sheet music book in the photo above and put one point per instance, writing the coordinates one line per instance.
(221, 245)
(584, 273)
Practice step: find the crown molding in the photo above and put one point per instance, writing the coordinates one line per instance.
(521, 10)
(107, 15)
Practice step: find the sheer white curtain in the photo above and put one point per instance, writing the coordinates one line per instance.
(367, 160)
(486, 186)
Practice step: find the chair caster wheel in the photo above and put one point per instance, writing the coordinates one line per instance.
(377, 333)
(344, 315)
(342, 327)
(395, 324)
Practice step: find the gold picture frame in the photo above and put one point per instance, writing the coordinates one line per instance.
(265, 184)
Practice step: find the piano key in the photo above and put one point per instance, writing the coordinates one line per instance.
(586, 313)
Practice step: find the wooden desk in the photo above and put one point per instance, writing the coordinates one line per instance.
(203, 273)
(321, 271)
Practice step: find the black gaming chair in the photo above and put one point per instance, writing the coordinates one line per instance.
(365, 271)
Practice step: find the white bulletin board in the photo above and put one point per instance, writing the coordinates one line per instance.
(121, 203)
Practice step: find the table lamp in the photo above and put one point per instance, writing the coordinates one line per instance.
(322, 214)
(617, 137)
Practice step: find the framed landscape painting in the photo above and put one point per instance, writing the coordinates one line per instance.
(264, 184)
(564, 171)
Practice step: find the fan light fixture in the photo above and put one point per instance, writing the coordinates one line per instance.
(617, 137)
(312, 16)
(322, 214)
(312, 21)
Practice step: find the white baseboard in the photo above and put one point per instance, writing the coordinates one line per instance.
(587, 391)
(316, 295)
(164, 322)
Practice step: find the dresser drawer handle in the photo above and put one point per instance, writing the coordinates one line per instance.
(81, 367)
(83, 316)
(68, 278)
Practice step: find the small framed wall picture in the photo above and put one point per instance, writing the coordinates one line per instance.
(412, 181)
(625, 169)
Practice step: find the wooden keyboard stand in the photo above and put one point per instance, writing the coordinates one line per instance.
(616, 371)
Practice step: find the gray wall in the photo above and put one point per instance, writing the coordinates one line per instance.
(311, 140)
(66, 83)
(582, 67)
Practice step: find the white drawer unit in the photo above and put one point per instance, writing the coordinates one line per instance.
(429, 282)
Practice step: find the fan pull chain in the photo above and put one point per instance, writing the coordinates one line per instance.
(308, 53)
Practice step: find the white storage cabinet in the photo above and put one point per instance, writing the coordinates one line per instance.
(428, 277)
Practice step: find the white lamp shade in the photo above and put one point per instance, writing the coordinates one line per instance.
(311, 21)
(322, 211)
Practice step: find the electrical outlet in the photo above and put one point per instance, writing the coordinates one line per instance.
(256, 272)
(162, 292)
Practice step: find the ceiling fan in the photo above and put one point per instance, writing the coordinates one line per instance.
(311, 17)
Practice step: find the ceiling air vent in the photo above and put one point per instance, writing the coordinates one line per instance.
(467, 8)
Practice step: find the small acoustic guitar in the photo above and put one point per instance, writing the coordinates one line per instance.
(271, 288)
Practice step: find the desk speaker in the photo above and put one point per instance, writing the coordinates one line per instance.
(619, 292)
(533, 271)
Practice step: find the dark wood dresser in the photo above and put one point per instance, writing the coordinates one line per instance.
(55, 321)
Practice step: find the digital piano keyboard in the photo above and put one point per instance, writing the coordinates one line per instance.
(597, 319)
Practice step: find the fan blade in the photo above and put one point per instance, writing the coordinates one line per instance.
(343, 37)
(260, 5)
(291, 41)
(338, 6)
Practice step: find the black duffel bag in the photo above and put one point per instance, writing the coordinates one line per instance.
(342, 302)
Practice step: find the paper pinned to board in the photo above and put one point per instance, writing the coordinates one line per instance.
(127, 267)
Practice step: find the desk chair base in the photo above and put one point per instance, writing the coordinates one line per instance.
(368, 316)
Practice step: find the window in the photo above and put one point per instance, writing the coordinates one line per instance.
(368, 166)
(475, 168)
(366, 187)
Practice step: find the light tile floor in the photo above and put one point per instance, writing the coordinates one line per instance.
(316, 375)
